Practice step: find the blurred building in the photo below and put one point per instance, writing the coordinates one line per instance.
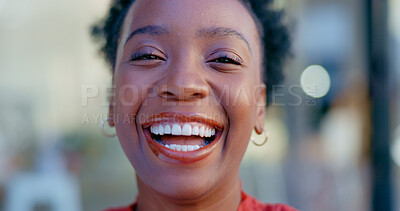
(55, 88)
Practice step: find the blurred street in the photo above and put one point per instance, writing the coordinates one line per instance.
(334, 124)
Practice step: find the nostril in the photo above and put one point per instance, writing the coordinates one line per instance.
(167, 94)
(197, 95)
(183, 92)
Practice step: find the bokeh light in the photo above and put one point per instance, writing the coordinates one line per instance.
(315, 81)
(395, 149)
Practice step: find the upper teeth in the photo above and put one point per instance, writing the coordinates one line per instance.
(184, 130)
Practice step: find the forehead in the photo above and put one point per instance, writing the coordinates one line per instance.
(186, 17)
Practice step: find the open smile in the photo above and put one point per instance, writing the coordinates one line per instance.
(183, 138)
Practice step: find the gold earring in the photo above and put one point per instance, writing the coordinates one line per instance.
(103, 131)
(265, 139)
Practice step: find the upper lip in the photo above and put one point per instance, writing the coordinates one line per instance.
(182, 117)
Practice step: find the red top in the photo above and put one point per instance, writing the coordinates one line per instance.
(248, 203)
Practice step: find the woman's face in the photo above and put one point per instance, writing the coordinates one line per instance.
(188, 92)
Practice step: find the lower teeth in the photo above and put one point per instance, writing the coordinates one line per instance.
(184, 148)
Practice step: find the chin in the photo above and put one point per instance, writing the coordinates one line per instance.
(186, 186)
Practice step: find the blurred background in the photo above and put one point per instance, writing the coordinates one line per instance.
(334, 125)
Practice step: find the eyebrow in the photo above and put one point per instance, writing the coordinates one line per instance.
(223, 32)
(150, 30)
(210, 32)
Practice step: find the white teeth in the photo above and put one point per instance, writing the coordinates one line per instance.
(186, 130)
(157, 130)
(160, 130)
(152, 129)
(201, 132)
(195, 131)
(176, 130)
(183, 148)
(167, 129)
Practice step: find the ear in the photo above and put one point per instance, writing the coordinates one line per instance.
(261, 96)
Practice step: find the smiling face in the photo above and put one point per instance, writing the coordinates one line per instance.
(188, 93)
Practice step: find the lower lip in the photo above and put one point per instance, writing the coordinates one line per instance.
(179, 156)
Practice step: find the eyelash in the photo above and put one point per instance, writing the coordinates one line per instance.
(145, 56)
(227, 60)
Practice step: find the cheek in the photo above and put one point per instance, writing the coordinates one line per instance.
(130, 93)
(239, 96)
(129, 97)
(241, 125)
(240, 106)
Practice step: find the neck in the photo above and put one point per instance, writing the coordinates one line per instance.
(225, 197)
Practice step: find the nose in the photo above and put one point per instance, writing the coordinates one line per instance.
(183, 82)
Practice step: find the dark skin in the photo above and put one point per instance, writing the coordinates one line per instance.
(188, 58)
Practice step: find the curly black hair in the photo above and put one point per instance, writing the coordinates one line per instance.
(274, 36)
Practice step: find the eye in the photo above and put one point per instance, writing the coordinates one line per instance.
(145, 56)
(226, 60)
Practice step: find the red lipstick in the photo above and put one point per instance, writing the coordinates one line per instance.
(176, 119)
